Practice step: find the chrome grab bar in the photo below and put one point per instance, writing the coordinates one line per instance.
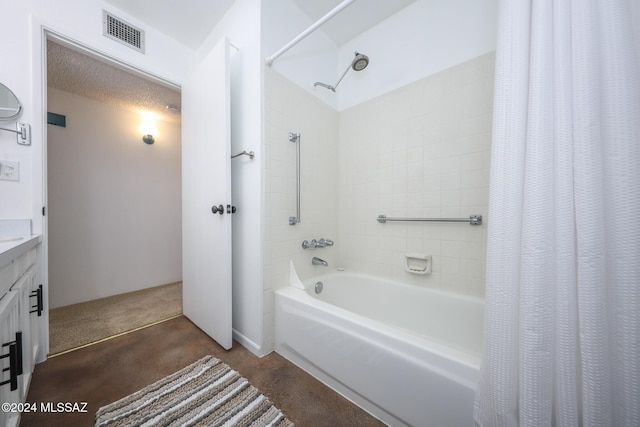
(472, 220)
(295, 138)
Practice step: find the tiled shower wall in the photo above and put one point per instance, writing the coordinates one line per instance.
(419, 151)
(289, 108)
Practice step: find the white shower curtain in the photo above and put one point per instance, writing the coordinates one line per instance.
(562, 324)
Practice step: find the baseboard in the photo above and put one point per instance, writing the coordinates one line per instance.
(247, 343)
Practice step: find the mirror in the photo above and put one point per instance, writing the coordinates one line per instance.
(9, 105)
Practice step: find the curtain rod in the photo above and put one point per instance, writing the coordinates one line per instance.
(269, 60)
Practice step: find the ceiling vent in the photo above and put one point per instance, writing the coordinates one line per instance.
(119, 30)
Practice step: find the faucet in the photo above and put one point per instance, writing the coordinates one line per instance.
(317, 243)
(318, 261)
(324, 242)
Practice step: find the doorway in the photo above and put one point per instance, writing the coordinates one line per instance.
(113, 199)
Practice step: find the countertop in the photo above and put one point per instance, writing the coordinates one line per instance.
(13, 249)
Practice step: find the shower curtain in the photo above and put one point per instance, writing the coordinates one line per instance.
(562, 322)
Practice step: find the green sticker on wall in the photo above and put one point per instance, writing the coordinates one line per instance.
(57, 119)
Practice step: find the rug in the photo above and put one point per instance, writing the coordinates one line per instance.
(205, 393)
(78, 325)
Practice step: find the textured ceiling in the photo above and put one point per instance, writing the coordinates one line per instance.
(77, 73)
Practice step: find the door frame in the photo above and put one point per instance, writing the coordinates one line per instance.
(42, 33)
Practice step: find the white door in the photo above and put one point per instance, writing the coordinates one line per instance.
(206, 182)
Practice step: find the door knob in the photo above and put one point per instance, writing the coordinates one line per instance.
(231, 209)
(217, 209)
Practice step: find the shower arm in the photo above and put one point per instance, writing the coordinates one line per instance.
(333, 88)
(342, 77)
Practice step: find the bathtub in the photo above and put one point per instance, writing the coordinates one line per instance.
(408, 355)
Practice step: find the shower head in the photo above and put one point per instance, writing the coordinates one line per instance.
(359, 63)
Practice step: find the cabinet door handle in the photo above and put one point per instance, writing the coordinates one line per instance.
(19, 368)
(13, 365)
(37, 294)
(18, 349)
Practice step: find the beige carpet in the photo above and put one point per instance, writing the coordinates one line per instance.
(77, 325)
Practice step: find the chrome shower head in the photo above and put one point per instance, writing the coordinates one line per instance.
(359, 63)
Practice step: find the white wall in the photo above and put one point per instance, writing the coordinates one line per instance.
(313, 59)
(426, 37)
(419, 151)
(20, 29)
(114, 202)
(21, 70)
(241, 24)
(291, 109)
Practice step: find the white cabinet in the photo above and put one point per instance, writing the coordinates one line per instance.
(27, 295)
(20, 320)
(11, 389)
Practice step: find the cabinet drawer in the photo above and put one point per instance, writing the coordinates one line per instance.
(23, 263)
(7, 277)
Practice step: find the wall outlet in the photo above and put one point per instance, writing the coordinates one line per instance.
(9, 170)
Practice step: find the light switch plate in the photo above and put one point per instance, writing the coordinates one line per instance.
(9, 170)
(23, 133)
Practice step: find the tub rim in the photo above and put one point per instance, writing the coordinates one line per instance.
(309, 282)
(408, 338)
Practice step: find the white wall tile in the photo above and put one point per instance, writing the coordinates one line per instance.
(421, 150)
(431, 141)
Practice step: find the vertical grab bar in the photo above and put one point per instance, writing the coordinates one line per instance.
(295, 138)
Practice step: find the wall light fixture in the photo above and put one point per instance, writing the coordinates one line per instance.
(148, 139)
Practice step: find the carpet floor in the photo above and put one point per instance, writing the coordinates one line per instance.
(112, 369)
(85, 323)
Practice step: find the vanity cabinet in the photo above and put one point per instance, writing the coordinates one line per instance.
(20, 319)
(11, 389)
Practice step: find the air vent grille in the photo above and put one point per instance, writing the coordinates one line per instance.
(119, 30)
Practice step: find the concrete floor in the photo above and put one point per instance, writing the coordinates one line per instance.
(108, 371)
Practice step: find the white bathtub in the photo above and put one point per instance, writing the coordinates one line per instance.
(408, 355)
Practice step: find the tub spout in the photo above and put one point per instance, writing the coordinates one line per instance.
(318, 261)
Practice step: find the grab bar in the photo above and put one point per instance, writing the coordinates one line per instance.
(251, 154)
(295, 138)
(472, 220)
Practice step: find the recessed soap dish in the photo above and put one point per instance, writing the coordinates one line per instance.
(418, 263)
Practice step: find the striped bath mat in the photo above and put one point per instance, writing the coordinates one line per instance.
(206, 393)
